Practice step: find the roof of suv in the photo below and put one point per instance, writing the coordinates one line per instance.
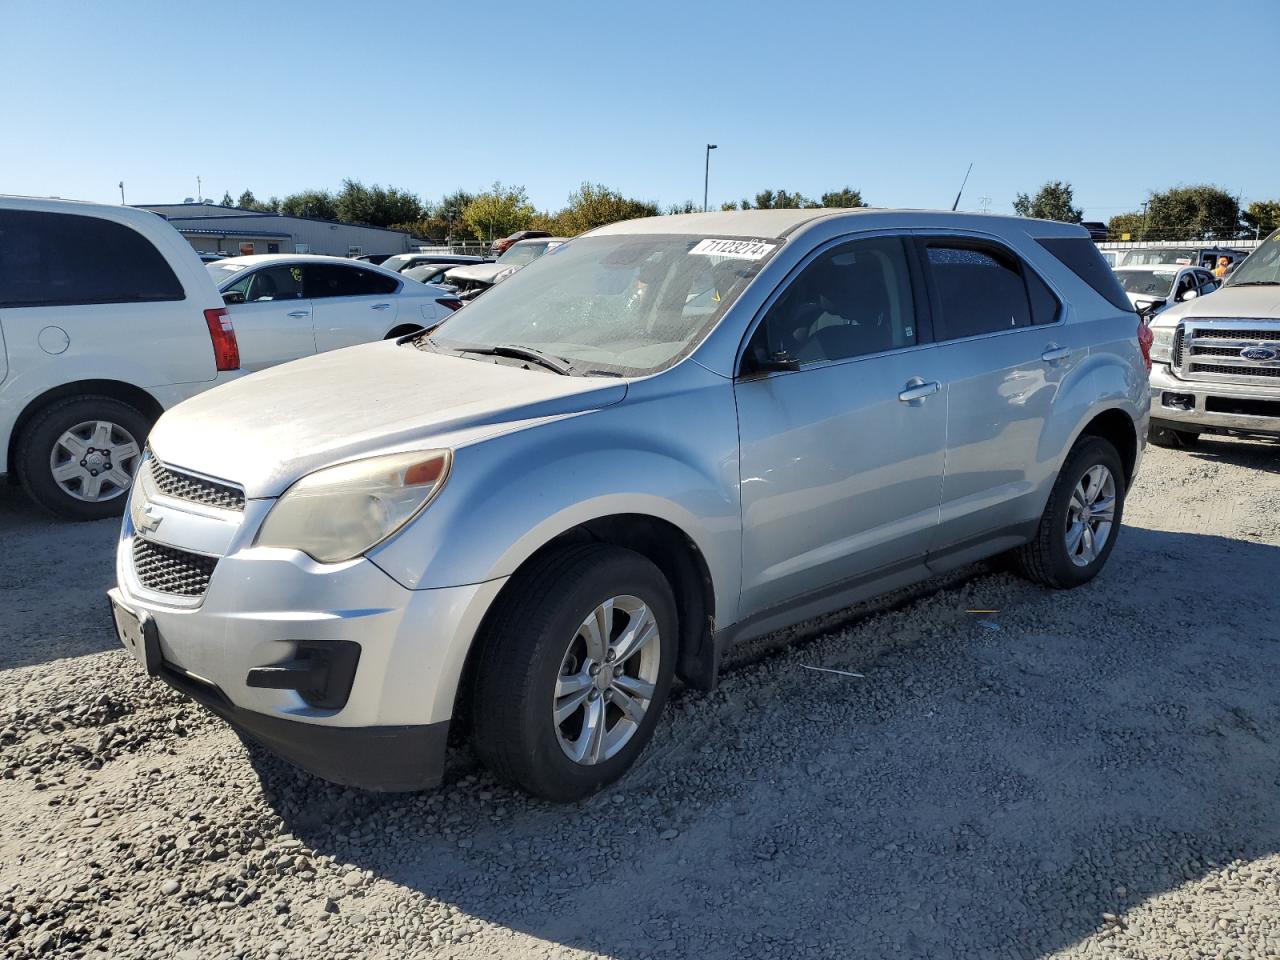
(780, 223)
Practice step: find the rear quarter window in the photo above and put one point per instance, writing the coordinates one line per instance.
(61, 259)
(1081, 257)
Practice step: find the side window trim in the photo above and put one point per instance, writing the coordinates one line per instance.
(922, 237)
(924, 326)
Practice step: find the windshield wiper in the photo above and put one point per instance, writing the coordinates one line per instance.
(1257, 283)
(516, 351)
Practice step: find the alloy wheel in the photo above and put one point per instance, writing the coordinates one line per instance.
(95, 460)
(607, 680)
(1090, 515)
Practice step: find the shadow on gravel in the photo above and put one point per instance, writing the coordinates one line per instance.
(984, 792)
(1254, 454)
(54, 577)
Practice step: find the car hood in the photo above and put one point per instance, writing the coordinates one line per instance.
(480, 273)
(1255, 303)
(265, 431)
(1134, 298)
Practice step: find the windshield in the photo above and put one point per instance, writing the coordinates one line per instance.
(1184, 256)
(398, 262)
(629, 304)
(223, 270)
(1151, 283)
(519, 254)
(1261, 266)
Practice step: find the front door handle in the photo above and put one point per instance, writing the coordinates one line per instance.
(917, 389)
(1055, 354)
(381, 306)
(300, 313)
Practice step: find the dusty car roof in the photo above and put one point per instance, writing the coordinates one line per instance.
(781, 223)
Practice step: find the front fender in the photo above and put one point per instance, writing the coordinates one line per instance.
(510, 494)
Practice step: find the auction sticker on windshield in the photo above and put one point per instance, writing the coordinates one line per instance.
(734, 249)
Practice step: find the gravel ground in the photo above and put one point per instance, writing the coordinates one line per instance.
(1091, 773)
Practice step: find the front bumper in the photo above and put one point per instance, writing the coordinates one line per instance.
(267, 608)
(1199, 405)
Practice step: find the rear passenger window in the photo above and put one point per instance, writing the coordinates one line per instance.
(325, 280)
(850, 301)
(49, 259)
(980, 289)
(1044, 304)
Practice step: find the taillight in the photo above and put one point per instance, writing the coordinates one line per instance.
(1145, 339)
(453, 303)
(226, 352)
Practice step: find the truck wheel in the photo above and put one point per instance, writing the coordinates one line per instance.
(1081, 520)
(1168, 437)
(574, 669)
(77, 457)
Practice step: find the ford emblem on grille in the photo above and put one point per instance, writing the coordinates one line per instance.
(1258, 354)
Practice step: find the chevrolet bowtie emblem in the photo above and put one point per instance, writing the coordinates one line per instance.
(149, 519)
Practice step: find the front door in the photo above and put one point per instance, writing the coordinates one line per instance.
(273, 325)
(841, 459)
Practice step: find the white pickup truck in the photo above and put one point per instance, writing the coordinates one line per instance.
(1216, 360)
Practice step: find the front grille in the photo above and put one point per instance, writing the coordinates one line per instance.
(1217, 333)
(1177, 345)
(185, 486)
(1234, 371)
(1232, 352)
(168, 570)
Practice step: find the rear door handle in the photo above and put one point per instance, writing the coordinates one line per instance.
(917, 389)
(381, 306)
(300, 313)
(1055, 354)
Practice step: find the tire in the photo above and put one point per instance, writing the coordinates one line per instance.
(1048, 558)
(536, 654)
(1168, 437)
(45, 442)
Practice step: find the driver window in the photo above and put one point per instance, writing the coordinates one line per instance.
(851, 301)
(1186, 283)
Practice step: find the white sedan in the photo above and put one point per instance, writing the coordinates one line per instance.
(289, 306)
(1155, 287)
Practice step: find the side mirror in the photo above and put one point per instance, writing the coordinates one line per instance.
(232, 297)
(1188, 295)
(774, 362)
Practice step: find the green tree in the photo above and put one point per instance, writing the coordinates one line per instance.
(1053, 201)
(1122, 223)
(375, 205)
(594, 205)
(1262, 217)
(448, 212)
(687, 207)
(780, 200)
(731, 205)
(498, 211)
(310, 203)
(1199, 212)
(248, 201)
(846, 197)
(226, 200)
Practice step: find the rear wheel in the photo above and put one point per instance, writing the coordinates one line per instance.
(77, 457)
(1080, 523)
(574, 671)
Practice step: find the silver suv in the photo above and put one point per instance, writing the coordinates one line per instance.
(661, 438)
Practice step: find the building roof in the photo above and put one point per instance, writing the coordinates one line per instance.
(230, 229)
(242, 213)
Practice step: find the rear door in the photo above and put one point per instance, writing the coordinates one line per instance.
(1005, 347)
(274, 324)
(841, 460)
(82, 293)
(352, 305)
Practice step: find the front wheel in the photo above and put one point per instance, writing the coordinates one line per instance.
(1080, 523)
(575, 667)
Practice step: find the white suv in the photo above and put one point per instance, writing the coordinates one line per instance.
(107, 319)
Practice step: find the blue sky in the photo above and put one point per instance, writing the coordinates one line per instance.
(893, 98)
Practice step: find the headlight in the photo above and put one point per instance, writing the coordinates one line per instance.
(1162, 347)
(340, 512)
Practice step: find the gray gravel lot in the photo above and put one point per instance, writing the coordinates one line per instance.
(1092, 773)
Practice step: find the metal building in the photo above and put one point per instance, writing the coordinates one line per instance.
(212, 228)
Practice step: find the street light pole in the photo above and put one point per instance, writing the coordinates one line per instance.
(706, 176)
(122, 193)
